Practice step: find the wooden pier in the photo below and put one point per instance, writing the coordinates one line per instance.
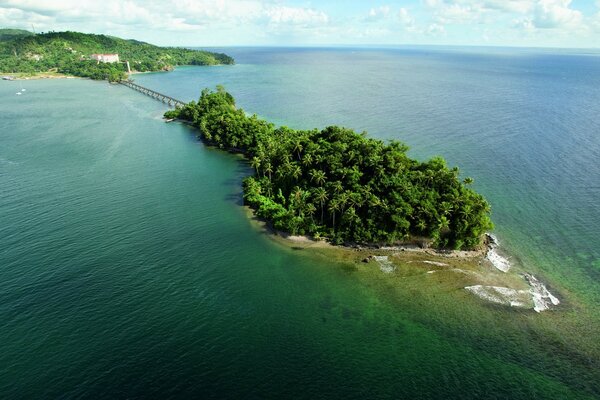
(154, 94)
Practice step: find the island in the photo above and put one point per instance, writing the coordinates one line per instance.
(340, 185)
(100, 57)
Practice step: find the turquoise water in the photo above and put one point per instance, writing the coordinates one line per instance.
(128, 268)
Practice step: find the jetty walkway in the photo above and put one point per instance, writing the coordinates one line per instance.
(154, 94)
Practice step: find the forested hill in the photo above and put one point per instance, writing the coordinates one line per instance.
(10, 34)
(69, 53)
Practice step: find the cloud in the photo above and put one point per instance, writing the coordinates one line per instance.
(436, 30)
(167, 15)
(377, 14)
(405, 18)
(510, 6)
(457, 13)
(294, 15)
(556, 14)
(525, 25)
(220, 22)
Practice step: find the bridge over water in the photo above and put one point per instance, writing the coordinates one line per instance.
(154, 94)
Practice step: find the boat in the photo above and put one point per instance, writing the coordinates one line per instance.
(8, 78)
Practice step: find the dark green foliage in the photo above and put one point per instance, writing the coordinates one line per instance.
(339, 184)
(69, 52)
(10, 34)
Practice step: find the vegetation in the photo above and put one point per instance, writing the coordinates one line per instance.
(10, 34)
(69, 53)
(341, 185)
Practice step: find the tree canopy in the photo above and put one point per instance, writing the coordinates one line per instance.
(69, 53)
(10, 34)
(339, 184)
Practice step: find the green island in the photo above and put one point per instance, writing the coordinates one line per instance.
(72, 54)
(340, 185)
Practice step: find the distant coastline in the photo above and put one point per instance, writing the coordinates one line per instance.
(98, 57)
(18, 76)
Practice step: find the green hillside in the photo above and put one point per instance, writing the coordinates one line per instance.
(69, 53)
(10, 34)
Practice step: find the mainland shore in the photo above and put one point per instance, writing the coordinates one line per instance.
(20, 76)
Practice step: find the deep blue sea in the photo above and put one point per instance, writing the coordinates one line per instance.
(129, 269)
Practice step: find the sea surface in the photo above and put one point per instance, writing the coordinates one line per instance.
(129, 268)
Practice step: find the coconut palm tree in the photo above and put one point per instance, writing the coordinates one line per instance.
(255, 163)
(333, 207)
(320, 195)
(317, 176)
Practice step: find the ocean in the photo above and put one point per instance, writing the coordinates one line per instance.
(129, 268)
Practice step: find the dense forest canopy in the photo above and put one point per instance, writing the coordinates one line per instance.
(10, 34)
(69, 53)
(339, 184)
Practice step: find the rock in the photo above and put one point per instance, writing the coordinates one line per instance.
(541, 296)
(502, 295)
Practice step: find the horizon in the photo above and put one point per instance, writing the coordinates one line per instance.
(558, 24)
(373, 46)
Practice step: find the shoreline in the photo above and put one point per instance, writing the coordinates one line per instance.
(475, 272)
(491, 277)
(19, 76)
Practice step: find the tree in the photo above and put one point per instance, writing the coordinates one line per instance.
(318, 177)
(320, 195)
(255, 162)
(372, 191)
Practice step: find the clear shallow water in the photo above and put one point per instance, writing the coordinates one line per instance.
(129, 270)
(521, 122)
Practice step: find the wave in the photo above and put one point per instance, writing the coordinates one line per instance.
(498, 261)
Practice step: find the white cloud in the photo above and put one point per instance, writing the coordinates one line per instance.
(526, 25)
(168, 15)
(457, 13)
(556, 14)
(294, 15)
(436, 30)
(405, 17)
(512, 6)
(286, 21)
(378, 13)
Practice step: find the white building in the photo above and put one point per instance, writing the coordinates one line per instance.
(105, 58)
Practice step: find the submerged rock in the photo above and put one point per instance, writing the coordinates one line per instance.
(385, 265)
(538, 297)
(542, 298)
(436, 263)
(502, 295)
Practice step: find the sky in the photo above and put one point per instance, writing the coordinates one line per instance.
(529, 23)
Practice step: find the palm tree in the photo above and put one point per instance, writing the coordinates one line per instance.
(342, 200)
(296, 171)
(307, 160)
(268, 169)
(318, 177)
(337, 186)
(310, 209)
(333, 207)
(298, 147)
(320, 195)
(255, 162)
(445, 208)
